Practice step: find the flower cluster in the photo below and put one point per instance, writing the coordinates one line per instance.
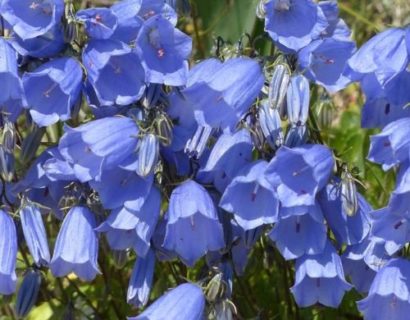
(169, 161)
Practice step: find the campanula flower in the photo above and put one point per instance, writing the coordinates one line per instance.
(221, 93)
(11, 95)
(361, 275)
(298, 174)
(98, 145)
(52, 90)
(100, 23)
(251, 198)
(185, 302)
(320, 278)
(191, 218)
(8, 254)
(388, 296)
(28, 292)
(114, 71)
(76, 247)
(163, 51)
(294, 24)
(32, 18)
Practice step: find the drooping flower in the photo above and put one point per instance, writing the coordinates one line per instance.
(76, 247)
(221, 93)
(114, 71)
(163, 51)
(250, 197)
(98, 145)
(52, 90)
(294, 24)
(298, 174)
(100, 23)
(8, 254)
(185, 302)
(191, 218)
(389, 294)
(320, 278)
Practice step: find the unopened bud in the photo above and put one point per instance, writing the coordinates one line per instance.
(28, 292)
(147, 155)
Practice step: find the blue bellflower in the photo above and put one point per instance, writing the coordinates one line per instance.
(52, 90)
(389, 294)
(76, 247)
(99, 23)
(191, 218)
(114, 71)
(8, 254)
(251, 198)
(320, 278)
(185, 302)
(163, 51)
(294, 24)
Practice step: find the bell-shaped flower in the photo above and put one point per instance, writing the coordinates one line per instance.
(98, 145)
(325, 62)
(30, 19)
(361, 275)
(384, 55)
(347, 228)
(185, 302)
(114, 71)
(35, 234)
(320, 278)
(11, 94)
(8, 254)
(298, 174)
(52, 90)
(221, 93)
(392, 145)
(251, 198)
(191, 218)
(294, 24)
(44, 46)
(300, 234)
(163, 51)
(389, 294)
(76, 247)
(99, 23)
(132, 226)
(118, 187)
(140, 283)
(231, 152)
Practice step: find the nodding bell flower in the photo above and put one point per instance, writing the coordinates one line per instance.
(52, 90)
(191, 218)
(35, 234)
(185, 302)
(8, 254)
(100, 23)
(76, 247)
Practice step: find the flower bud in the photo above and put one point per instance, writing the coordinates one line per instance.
(31, 144)
(296, 136)
(163, 129)
(298, 96)
(6, 164)
(270, 124)
(278, 86)
(349, 194)
(197, 144)
(148, 155)
(28, 292)
(8, 136)
(260, 9)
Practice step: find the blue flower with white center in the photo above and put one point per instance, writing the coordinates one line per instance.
(191, 218)
(8, 254)
(76, 247)
(163, 51)
(320, 278)
(293, 24)
(52, 90)
(114, 71)
(32, 18)
(389, 294)
(251, 198)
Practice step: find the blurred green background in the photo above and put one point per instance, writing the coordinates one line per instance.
(257, 295)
